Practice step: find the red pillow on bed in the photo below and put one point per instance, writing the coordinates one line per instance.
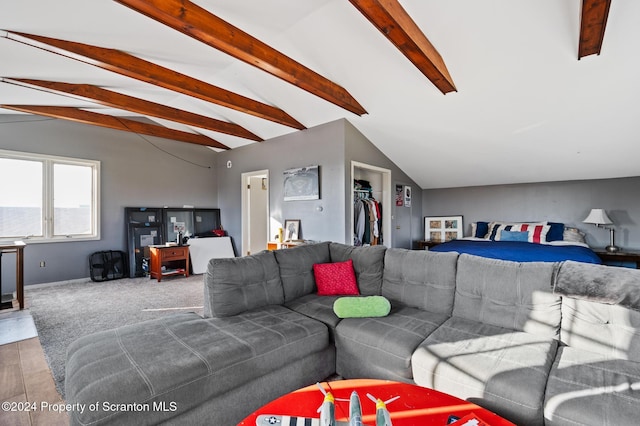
(337, 278)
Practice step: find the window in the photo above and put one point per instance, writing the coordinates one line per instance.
(46, 198)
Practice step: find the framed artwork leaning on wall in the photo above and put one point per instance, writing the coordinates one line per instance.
(442, 228)
(291, 229)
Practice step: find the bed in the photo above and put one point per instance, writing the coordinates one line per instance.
(519, 251)
(523, 242)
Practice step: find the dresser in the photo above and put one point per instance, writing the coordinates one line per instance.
(168, 260)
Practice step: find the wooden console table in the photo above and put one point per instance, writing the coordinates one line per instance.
(169, 257)
(16, 247)
(277, 245)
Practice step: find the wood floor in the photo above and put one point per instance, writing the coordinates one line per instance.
(25, 377)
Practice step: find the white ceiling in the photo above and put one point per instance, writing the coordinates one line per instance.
(526, 109)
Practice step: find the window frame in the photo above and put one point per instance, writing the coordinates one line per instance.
(47, 219)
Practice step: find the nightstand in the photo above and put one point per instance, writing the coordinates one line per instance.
(175, 259)
(425, 244)
(619, 256)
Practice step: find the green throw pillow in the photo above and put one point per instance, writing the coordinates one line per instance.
(361, 307)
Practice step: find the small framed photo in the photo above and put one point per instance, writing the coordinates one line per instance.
(291, 229)
(442, 228)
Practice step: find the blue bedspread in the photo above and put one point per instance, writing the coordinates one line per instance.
(518, 251)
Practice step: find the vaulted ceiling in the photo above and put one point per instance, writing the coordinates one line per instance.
(456, 92)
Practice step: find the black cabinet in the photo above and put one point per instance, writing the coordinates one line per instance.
(158, 225)
(144, 228)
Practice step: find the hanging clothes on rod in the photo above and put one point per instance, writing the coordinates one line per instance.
(367, 216)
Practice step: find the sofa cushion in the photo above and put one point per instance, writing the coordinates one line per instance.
(317, 307)
(381, 348)
(590, 388)
(513, 295)
(611, 330)
(185, 359)
(236, 285)
(502, 370)
(420, 279)
(335, 278)
(368, 263)
(296, 268)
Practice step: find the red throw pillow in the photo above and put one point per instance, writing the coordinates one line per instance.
(336, 278)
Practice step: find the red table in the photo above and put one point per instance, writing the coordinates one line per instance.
(416, 405)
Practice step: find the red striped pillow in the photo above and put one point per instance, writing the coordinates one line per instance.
(537, 231)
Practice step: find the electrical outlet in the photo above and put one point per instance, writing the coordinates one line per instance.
(42, 264)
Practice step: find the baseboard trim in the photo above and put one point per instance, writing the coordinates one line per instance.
(55, 283)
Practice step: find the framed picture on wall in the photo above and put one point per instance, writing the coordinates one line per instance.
(291, 229)
(407, 196)
(302, 183)
(442, 228)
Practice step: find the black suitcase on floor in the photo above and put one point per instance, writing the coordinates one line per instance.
(107, 265)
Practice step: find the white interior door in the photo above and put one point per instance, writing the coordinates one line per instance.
(255, 211)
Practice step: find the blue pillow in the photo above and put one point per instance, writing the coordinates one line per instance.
(482, 228)
(514, 236)
(556, 231)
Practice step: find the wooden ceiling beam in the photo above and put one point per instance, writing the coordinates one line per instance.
(139, 69)
(118, 123)
(132, 104)
(593, 22)
(196, 22)
(396, 24)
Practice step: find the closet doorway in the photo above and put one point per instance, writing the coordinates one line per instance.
(380, 180)
(255, 211)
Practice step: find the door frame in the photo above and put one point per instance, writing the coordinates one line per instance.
(246, 208)
(385, 199)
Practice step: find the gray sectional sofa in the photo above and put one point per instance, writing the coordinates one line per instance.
(538, 343)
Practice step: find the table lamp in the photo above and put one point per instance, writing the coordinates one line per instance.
(599, 218)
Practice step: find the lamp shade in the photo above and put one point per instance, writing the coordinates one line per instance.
(598, 217)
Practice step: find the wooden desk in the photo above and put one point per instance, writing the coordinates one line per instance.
(16, 247)
(416, 406)
(619, 256)
(175, 259)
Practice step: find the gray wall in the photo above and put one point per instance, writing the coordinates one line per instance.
(406, 223)
(134, 173)
(322, 145)
(567, 202)
(332, 146)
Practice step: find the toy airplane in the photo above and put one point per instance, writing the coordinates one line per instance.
(382, 414)
(327, 410)
(327, 413)
(355, 410)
